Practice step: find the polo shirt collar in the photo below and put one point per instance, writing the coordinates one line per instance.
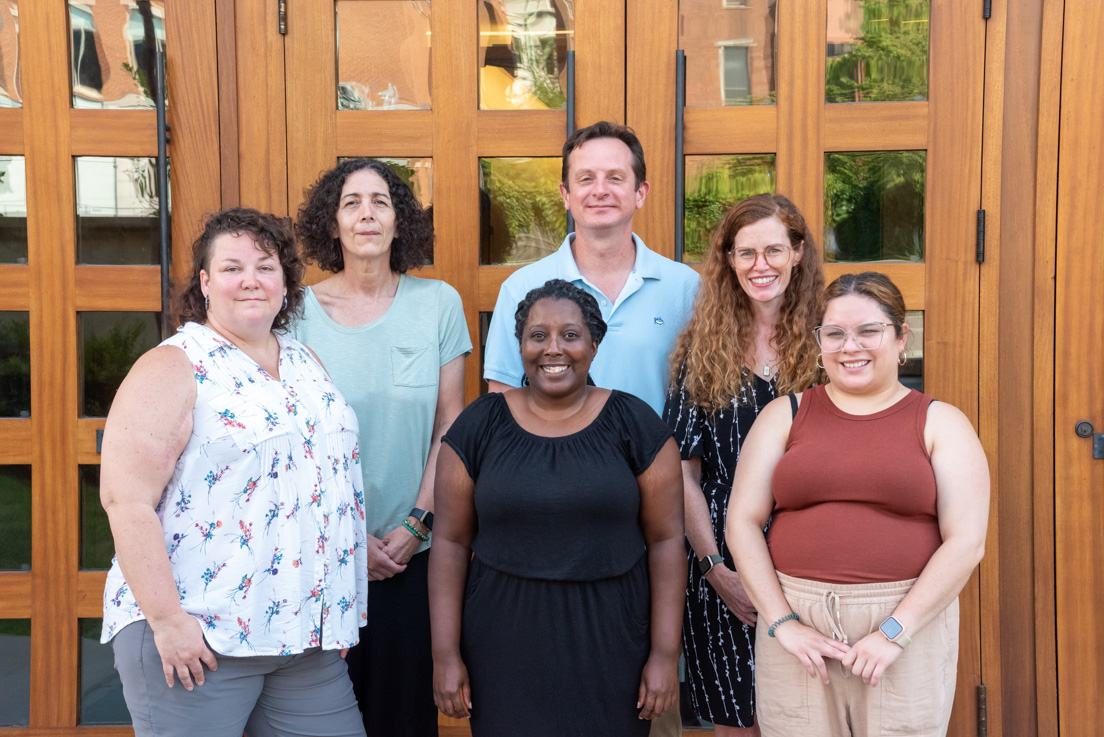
(647, 265)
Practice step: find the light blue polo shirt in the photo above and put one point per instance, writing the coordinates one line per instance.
(644, 321)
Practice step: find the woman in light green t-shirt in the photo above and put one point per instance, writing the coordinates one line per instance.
(395, 345)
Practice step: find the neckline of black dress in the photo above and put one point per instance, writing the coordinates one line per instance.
(580, 431)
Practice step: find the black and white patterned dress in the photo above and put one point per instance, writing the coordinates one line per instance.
(719, 647)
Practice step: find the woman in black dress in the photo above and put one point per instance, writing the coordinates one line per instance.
(566, 620)
(750, 339)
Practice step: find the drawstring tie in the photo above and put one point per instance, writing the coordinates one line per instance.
(832, 609)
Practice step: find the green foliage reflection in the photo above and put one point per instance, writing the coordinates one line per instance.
(522, 216)
(15, 521)
(715, 183)
(889, 59)
(108, 358)
(15, 365)
(874, 206)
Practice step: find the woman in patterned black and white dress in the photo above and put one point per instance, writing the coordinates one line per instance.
(750, 339)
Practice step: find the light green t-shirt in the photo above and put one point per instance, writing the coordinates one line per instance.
(388, 370)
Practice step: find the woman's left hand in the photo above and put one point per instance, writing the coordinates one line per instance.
(870, 656)
(658, 686)
(400, 545)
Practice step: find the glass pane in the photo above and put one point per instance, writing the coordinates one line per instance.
(874, 206)
(110, 344)
(113, 52)
(13, 206)
(521, 214)
(15, 676)
(117, 215)
(484, 328)
(101, 691)
(877, 50)
(730, 51)
(97, 546)
(11, 92)
(523, 47)
(15, 364)
(392, 70)
(715, 183)
(912, 373)
(15, 520)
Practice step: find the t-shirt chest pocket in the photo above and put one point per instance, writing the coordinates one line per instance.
(414, 366)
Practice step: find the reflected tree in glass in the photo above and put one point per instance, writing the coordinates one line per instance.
(715, 183)
(97, 547)
(13, 210)
(521, 213)
(15, 518)
(112, 342)
(15, 364)
(877, 50)
(523, 47)
(874, 206)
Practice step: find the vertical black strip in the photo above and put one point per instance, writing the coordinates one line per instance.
(987, 9)
(570, 117)
(680, 165)
(163, 194)
(981, 236)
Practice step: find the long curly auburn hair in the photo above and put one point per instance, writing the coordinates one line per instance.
(713, 350)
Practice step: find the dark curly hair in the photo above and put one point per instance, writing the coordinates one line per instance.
(318, 216)
(271, 234)
(560, 289)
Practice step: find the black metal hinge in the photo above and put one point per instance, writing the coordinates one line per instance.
(282, 15)
(980, 244)
(987, 9)
(983, 717)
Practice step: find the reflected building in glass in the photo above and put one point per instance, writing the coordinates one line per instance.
(730, 51)
(11, 93)
(113, 53)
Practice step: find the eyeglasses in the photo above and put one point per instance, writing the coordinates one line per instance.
(776, 255)
(868, 336)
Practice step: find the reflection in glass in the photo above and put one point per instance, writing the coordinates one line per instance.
(912, 373)
(110, 344)
(730, 52)
(117, 210)
(15, 364)
(874, 206)
(15, 676)
(101, 691)
(523, 47)
(11, 88)
(384, 63)
(96, 544)
(484, 329)
(13, 209)
(418, 175)
(521, 213)
(715, 183)
(113, 52)
(877, 51)
(15, 520)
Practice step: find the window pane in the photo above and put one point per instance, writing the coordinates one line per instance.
(874, 206)
(391, 71)
(877, 50)
(715, 183)
(13, 207)
(484, 328)
(730, 50)
(15, 521)
(15, 676)
(523, 47)
(112, 53)
(110, 344)
(97, 546)
(101, 691)
(521, 214)
(11, 92)
(15, 365)
(912, 373)
(117, 210)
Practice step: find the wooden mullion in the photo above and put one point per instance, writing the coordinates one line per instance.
(90, 594)
(911, 279)
(11, 131)
(86, 439)
(15, 287)
(113, 132)
(15, 596)
(518, 133)
(16, 440)
(118, 288)
(384, 133)
(599, 62)
(879, 126)
(731, 130)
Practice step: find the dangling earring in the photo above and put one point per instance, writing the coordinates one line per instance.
(285, 303)
(206, 303)
(903, 359)
(819, 358)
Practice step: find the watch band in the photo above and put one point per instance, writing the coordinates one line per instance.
(705, 565)
(894, 631)
(426, 518)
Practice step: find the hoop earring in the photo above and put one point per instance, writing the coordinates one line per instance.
(206, 303)
(819, 358)
(903, 359)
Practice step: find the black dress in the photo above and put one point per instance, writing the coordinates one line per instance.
(556, 621)
(718, 647)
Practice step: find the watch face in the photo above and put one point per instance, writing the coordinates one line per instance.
(891, 628)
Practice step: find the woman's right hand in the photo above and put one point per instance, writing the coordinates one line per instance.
(809, 647)
(179, 642)
(451, 690)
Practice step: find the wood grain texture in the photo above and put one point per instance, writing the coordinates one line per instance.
(384, 132)
(911, 279)
(882, 126)
(731, 130)
(90, 590)
(15, 595)
(227, 61)
(599, 62)
(118, 288)
(16, 438)
(312, 95)
(113, 132)
(15, 287)
(11, 131)
(531, 133)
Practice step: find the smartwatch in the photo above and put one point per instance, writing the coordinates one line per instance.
(895, 633)
(705, 565)
(426, 518)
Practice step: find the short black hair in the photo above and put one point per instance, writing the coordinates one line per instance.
(606, 129)
(560, 289)
(318, 215)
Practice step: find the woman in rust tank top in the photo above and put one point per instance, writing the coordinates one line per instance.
(878, 499)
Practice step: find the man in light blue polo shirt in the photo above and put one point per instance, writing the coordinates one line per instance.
(645, 298)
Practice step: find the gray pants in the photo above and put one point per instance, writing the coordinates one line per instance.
(306, 695)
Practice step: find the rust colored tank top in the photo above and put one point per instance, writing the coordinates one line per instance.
(854, 495)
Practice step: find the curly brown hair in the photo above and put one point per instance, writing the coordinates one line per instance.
(318, 216)
(712, 351)
(270, 233)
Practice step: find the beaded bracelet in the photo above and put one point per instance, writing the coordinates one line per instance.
(420, 536)
(783, 620)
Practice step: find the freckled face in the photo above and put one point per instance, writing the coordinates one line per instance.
(763, 280)
(556, 348)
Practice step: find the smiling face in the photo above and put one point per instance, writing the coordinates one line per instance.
(244, 285)
(556, 347)
(857, 370)
(764, 280)
(601, 190)
(365, 220)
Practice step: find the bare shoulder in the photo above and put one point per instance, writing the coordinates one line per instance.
(161, 382)
(943, 418)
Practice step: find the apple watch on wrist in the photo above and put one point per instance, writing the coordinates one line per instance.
(426, 518)
(895, 632)
(705, 565)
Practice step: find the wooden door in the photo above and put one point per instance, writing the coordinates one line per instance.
(1079, 377)
(791, 97)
